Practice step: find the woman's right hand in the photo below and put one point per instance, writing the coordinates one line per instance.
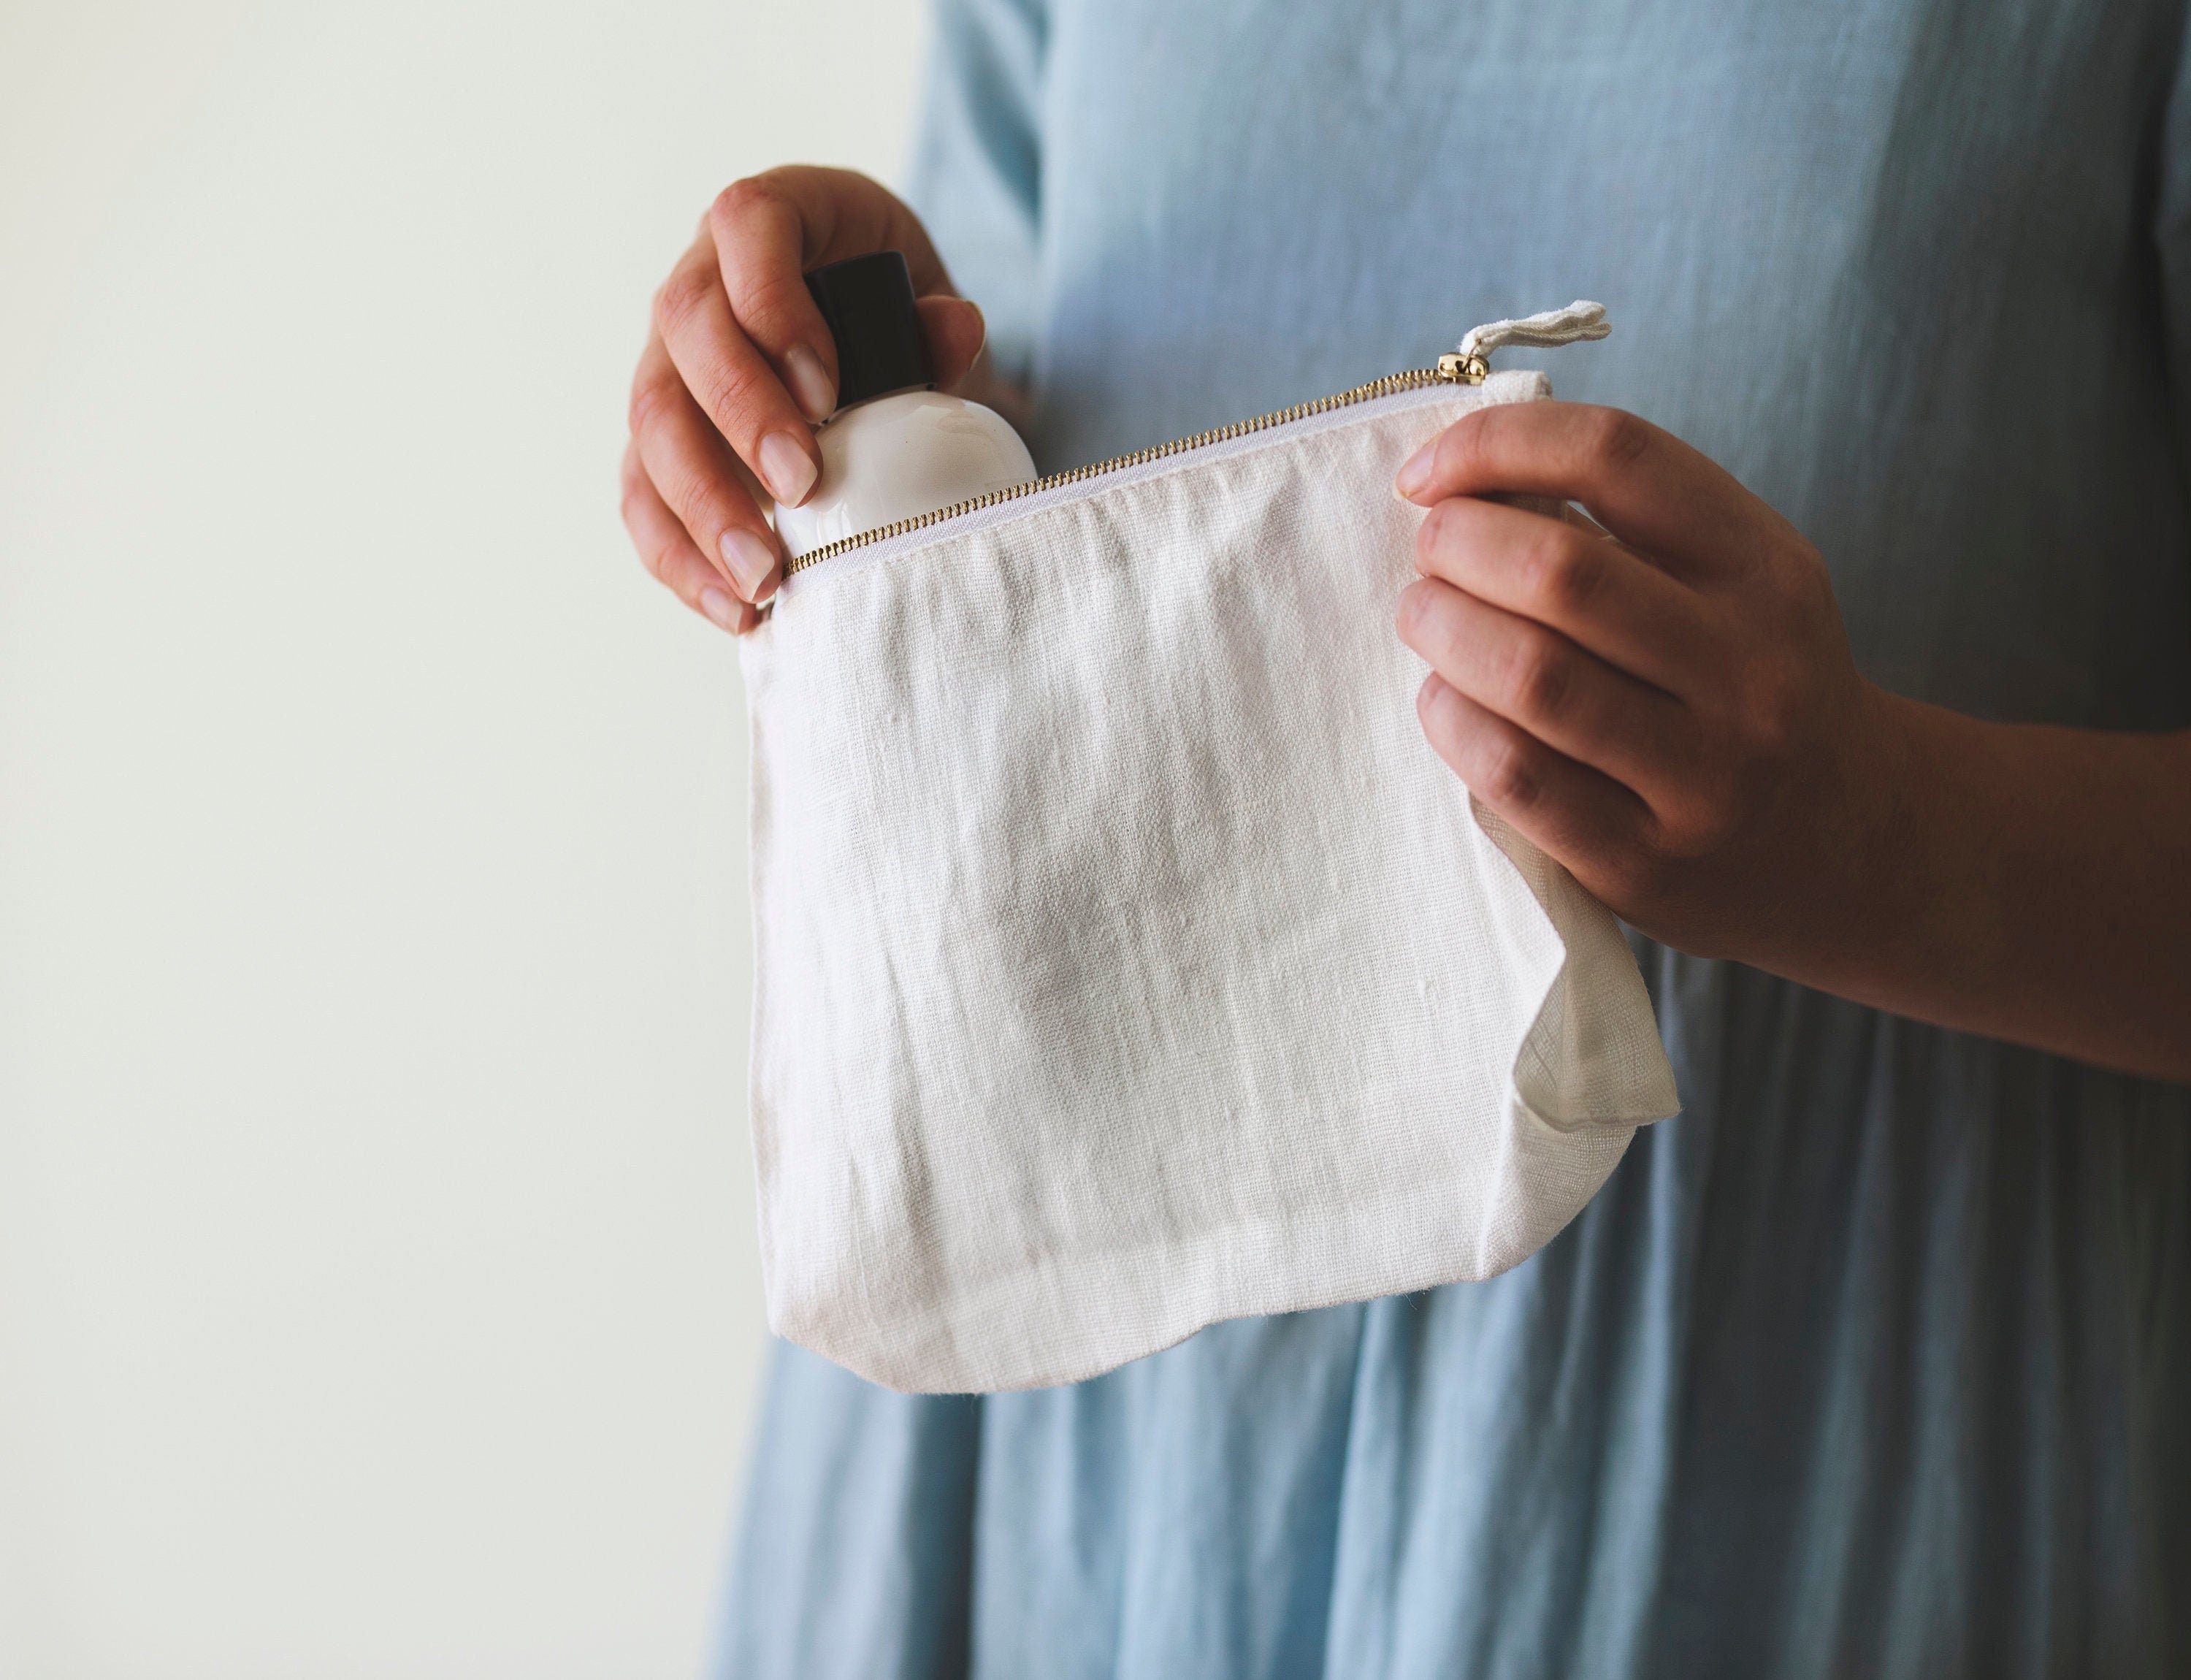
(738, 366)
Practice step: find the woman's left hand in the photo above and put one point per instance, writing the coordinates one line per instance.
(1668, 705)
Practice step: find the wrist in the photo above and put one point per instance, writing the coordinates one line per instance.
(1921, 916)
(1891, 884)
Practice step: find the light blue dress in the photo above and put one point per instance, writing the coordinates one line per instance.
(1877, 1360)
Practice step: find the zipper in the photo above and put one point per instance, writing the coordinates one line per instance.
(1467, 366)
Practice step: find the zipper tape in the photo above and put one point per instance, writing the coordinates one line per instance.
(1468, 366)
(1002, 510)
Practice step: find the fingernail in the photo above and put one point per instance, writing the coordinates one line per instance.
(720, 607)
(785, 468)
(1415, 476)
(750, 561)
(813, 391)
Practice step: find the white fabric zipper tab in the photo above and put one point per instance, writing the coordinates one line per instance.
(1578, 320)
(1471, 363)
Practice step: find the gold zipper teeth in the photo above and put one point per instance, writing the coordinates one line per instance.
(1391, 385)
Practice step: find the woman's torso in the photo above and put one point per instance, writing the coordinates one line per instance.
(1875, 1360)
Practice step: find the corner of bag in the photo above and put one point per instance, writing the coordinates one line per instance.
(1515, 384)
(1520, 1107)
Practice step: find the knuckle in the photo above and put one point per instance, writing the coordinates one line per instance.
(769, 306)
(1705, 821)
(1413, 603)
(1430, 535)
(1540, 677)
(1570, 571)
(732, 391)
(704, 509)
(1509, 772)
(1769, 717)
(1427, 700)
(651, 400)
(681, 299)
(741, 200)
(1813, 587)
(1779, 720)
(1617, 439)
(684, 492)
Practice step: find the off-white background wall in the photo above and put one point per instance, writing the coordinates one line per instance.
(376, 1281)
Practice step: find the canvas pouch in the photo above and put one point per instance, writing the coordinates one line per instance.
(1125, 959)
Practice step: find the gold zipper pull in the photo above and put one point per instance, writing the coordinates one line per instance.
(1456, 369)
(1470, 365)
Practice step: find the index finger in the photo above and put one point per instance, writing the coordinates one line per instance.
(769, 228)
(1647, 487)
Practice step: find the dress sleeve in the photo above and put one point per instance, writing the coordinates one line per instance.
(976, 174)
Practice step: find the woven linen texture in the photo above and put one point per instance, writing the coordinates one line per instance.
(1126, 959)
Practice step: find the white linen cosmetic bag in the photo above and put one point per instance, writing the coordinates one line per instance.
(1125, 958)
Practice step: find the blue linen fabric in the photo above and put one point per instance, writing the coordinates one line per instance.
(1876, 1360)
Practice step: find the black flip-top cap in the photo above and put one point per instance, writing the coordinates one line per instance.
(867, 302)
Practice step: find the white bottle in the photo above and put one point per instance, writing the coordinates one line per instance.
(896, 447)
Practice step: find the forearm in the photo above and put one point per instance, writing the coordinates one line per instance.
(2028, 883)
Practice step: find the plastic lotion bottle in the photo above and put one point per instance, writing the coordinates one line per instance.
(896, 447)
